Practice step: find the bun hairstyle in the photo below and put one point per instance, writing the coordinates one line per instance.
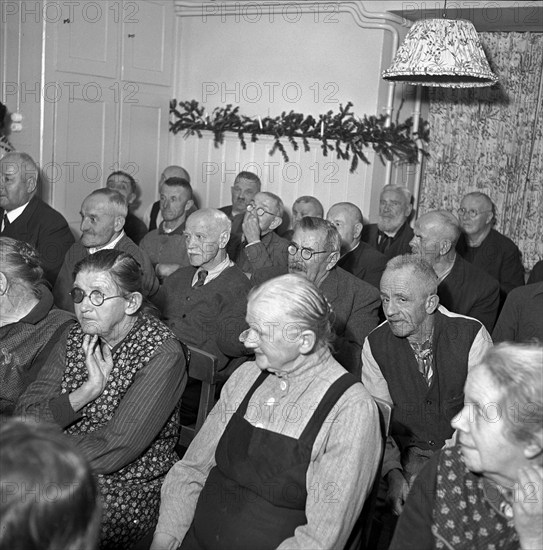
(21, 263)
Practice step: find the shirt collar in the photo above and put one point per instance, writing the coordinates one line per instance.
(108, 246)
(214, 272)
(16, 212)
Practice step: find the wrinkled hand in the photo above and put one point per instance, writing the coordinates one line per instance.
(251, 227)
(528, 507)
(397, 492)
(99, 364)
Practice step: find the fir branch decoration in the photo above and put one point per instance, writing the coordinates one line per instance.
(343, 133)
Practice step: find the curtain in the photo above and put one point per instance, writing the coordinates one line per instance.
(490, 140)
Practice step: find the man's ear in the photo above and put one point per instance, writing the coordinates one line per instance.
(134, 303)
(224, 237)
(119, 223)
(333, 259)
(31, 183)
(275, 223)
(189, 205)
(444, 247)
(357, 230)
(432, 302)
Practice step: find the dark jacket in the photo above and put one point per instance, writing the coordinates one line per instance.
(470, 291)
(499, 256)
(400, 241)
(46, 230)
(364, 262)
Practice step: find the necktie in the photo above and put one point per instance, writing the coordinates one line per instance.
(425, 359)
(6, 221)
(202, 274)
(384, 242)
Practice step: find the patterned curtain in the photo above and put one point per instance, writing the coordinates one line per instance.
(491, 140)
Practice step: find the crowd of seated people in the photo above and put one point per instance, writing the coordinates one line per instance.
(322, 319)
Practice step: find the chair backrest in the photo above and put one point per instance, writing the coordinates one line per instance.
(202, 367)
(360, 536)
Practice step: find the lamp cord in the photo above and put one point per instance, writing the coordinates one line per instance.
(445, 10)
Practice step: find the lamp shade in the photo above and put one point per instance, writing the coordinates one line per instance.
(441, 52)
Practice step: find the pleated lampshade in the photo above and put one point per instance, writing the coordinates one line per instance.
(441, 52)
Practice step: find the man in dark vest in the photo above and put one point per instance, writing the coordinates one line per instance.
(392, 232)
(418, 360)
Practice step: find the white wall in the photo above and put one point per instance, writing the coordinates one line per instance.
(282, 60)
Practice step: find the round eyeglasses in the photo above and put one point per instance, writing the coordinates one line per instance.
(471, 213)
(96, 297)
(305, 253)
(258, 210)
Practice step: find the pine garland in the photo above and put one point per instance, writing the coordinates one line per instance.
(342, 132)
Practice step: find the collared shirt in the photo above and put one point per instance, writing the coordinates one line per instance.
(108, 246)
(214, 272)
(12, 215)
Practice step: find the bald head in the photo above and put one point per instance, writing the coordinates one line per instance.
(444, 224)
(347, 218)
(174, 171)
(18, 180)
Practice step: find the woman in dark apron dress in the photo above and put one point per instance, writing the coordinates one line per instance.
(288, 454)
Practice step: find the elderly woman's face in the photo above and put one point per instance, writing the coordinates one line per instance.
(272, 336)
(107, 319)
(486, 447)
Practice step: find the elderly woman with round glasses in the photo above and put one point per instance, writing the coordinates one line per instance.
(113, 384)
(486, 492)
(288, 454)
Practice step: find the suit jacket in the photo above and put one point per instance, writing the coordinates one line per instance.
(211, 316)
(227, 210)
(134, 228)
(46, 230)
(400, 242)
(499, 256)
(77, 252)
(355, 306)
(364, 262)
(521, 318)
(470, 291)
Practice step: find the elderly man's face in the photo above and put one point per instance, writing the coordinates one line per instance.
(269, 220)
(174, 202)
(315, 269)
(405, 303)
(348, 229)
(482, 430)
(243, 192)
(302, 209)
(16, 185)
(204, 240)
(99, 224)
(426, 241)
(394, 209)
(480, 209)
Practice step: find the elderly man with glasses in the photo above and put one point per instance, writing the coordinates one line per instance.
(259, 245)
(486, 248)
(313, 253)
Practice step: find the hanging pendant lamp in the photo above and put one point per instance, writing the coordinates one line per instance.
(441, 52)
